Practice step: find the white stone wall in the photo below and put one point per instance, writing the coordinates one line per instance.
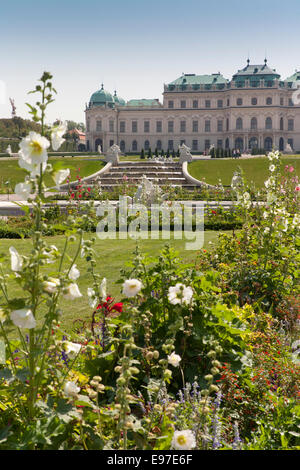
(261, 111)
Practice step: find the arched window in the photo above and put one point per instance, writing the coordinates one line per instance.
(134, 146)
(281, 125)
(268, 143)
(239, 123)
(122, 146)
(239, 144)
(98, 142)
(281, 144)
(269, 101)
(147, 145)
(268, 123)
(227, 143)
(158, 145)
(227, 124)
(253, 123)
(253, 143)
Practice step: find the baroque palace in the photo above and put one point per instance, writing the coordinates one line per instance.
(255, 109)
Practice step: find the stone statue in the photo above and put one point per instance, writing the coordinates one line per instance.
(148, 193)
(112, 154)
(288, 149)
(185, 154)
(99, 149)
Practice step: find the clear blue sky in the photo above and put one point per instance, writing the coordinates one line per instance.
(136, 46)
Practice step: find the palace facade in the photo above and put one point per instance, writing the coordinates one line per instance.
(256, 108)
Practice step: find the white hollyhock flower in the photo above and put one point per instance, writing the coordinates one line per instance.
(180, 294)
(34, 149)
(60, 176)
(57, 135)
(272, 168)
(23, 190)
(92, 299)
(174, 359)
(23, 318)
(2, 316)
(72, 292)
(33, 169)
(16, 259)
(132, 287)
(51, 285)
(183, 440)
(72, 349)
(103, 289)
(71, 390)
(74, 273)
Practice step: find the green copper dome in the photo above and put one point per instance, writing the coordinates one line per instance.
(118, 100)
(102, 98)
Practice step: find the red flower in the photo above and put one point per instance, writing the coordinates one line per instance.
(109, 306)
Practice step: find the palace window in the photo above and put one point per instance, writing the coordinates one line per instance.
(195, 126)
(146, 145)
(207, 144)
(290, 124)
(182, 142)
(134, 146)
(183, 104)
(239, 123)
(158, 126)
(146, 126)
(220, 144)
(170, 126)
(195, 145)
(98, 126)
(134, 126)
(158, 145)
(269, 101)
(195, 104)
(111, 126)
(122, 146)
(171, 104)
(170, 144)
(227, 124)
(291, 143)
(220, 103)
(291, 103)
(253, 124)
(182, 126)
(207, 103)
(220, 125)
(281, 125)
(122, 126)
(228, 102)
(239, 102)
(281, 101)
(207, 126)
(269, 123)
(111, 143)
(254, 101)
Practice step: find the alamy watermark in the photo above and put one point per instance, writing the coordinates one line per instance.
(180, 221)
(296, 94)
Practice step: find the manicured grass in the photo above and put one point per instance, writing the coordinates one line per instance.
(255, 169)
(11, 171)
(111, 255)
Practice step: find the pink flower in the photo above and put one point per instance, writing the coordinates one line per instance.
(291, 169)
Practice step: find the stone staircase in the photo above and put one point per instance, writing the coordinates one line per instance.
(131, 173)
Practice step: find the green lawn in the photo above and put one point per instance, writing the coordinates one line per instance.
(11, 171)
(255, 169)
(112, 255)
